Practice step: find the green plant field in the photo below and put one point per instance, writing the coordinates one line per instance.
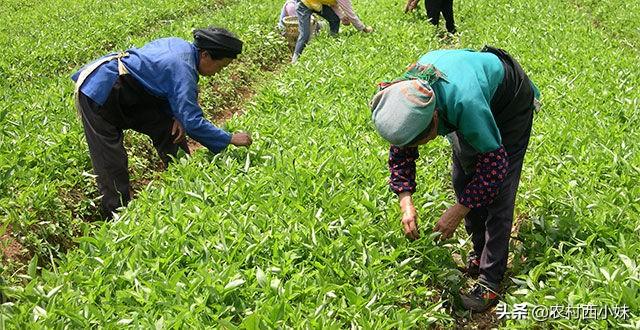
(46, 191)
(301, 230)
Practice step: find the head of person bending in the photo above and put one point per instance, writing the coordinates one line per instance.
(217, 47)
(404, 113)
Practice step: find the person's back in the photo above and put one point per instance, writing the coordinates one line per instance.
(470, 75)
(151, 65)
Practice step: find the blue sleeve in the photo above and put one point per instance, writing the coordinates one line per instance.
(183, 96)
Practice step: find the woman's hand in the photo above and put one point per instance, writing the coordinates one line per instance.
(409, 216)
(450, 220)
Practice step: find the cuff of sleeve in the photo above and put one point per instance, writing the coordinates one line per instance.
(226, 141)
(219, 144)
(228, 137)
(401, 189)
(466, 201)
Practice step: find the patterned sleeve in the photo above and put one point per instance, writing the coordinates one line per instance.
(490, 172)
(402, 167)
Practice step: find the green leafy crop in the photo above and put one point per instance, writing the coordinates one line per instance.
(300, 230)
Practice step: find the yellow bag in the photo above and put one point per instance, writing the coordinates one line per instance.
(316, 5)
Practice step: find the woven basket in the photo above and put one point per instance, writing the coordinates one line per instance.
(291, 29)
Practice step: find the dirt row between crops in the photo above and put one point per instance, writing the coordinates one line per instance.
(11, 249)
(228, 110)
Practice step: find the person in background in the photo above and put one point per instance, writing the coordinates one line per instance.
(344, 10)
(304, 10)
(484, 103)
(433, 9)
(152, 90)
(289, 10)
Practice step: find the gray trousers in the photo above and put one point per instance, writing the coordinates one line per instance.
(105, 139)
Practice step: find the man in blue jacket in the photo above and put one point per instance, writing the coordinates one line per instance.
(152, 90)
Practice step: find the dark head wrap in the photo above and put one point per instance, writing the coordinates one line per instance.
(219, 42)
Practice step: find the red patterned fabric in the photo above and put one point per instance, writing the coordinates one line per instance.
(402, 166)
(490, 172)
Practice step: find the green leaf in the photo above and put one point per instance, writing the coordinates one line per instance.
(225, 324)
(631, 265)
(160, 323)
(33, 266)
(261, 277)
(371, 301)
(247, 163)
(38, 313)
(54, 291)
(251, 322)
(275, 283)
(124, 321)
(606, 274)
(234, 284)
(405, 261)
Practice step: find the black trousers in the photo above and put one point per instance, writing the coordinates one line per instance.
(129, 106)
(435, 7)
(490, 226)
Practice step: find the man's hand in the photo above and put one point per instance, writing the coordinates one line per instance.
(409, 216)
(241, 139)
(177, 128)
(450, 220)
